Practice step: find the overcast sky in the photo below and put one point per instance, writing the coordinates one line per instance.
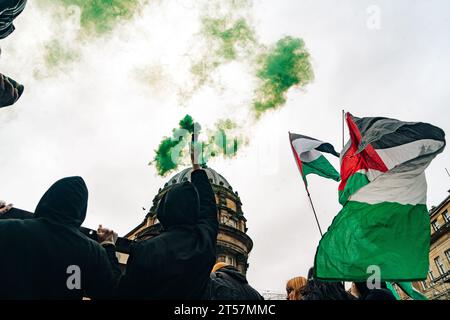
(96, 117)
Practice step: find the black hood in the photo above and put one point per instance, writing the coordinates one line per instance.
(65, 202)
(234, 273)
(179, 206)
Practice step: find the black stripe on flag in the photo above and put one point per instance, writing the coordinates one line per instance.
(324, 147)
(383, 133)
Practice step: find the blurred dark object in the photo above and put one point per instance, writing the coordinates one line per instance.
(9, 10)
(6, 99)
(91, 234)
(122, 244)
(16, 85)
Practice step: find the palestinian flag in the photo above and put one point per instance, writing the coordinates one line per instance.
(309, 157)
(384, 220)
(407, 288)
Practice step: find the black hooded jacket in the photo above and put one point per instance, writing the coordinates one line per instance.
(39, 257)
(383, 293)
(228, 283)
(177, 263)
(324, 290)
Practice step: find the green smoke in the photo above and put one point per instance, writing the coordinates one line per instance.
(280, 68)
(101, 16)
(171, 150)
(56, 54)
(227, 39)
(222, 141)
(57, 58)
(174, 150)
(230, 36)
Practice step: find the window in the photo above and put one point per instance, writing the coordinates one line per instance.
(230, 260)
(231, 204)
(446, 216)
(231, 223)
(424, 285)
(435, 225)
(447, 254)
(430, 273)
(439, 265)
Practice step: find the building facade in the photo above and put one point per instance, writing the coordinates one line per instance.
(233, 243)
(437, 284)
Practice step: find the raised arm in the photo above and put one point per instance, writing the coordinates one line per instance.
(208, 207)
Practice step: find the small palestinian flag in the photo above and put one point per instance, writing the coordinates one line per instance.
(384, 221)
(309, 157)
(408, 289)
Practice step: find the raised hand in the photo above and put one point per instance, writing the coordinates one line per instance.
(106, 235)
(4, 208)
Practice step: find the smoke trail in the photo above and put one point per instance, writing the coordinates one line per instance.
(101, 16)
(88, 19)
(57, 58)
(229, 39)
(225, 36)
(285, 65)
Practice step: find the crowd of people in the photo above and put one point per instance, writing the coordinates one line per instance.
(301, 288)
(42, 252)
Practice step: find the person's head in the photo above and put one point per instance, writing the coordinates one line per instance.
(179, 206)
(294, 288)
(65, 202)
(360, 290)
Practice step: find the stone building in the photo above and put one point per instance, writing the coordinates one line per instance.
(437, 284)
(233, 243)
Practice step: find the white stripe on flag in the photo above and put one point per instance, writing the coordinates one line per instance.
(408, 151)
(304, 145)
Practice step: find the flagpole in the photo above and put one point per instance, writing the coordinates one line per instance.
(343, 120)
(306, 187)
(314, 210)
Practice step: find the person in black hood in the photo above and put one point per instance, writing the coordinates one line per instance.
(362, 292)
(47, 257)
(227, 283)
(324, 290)
(176, 264)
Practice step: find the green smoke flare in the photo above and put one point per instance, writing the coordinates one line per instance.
(173, 151)
(280, 68)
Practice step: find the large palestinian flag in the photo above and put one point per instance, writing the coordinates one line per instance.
(309, 157)
(384, 220)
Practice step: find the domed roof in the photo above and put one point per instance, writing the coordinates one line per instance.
(185, 175)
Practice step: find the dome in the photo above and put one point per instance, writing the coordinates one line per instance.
(185, 175)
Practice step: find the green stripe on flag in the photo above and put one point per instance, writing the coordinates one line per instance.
(364, 235)
(354, 183)
(321, 167)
